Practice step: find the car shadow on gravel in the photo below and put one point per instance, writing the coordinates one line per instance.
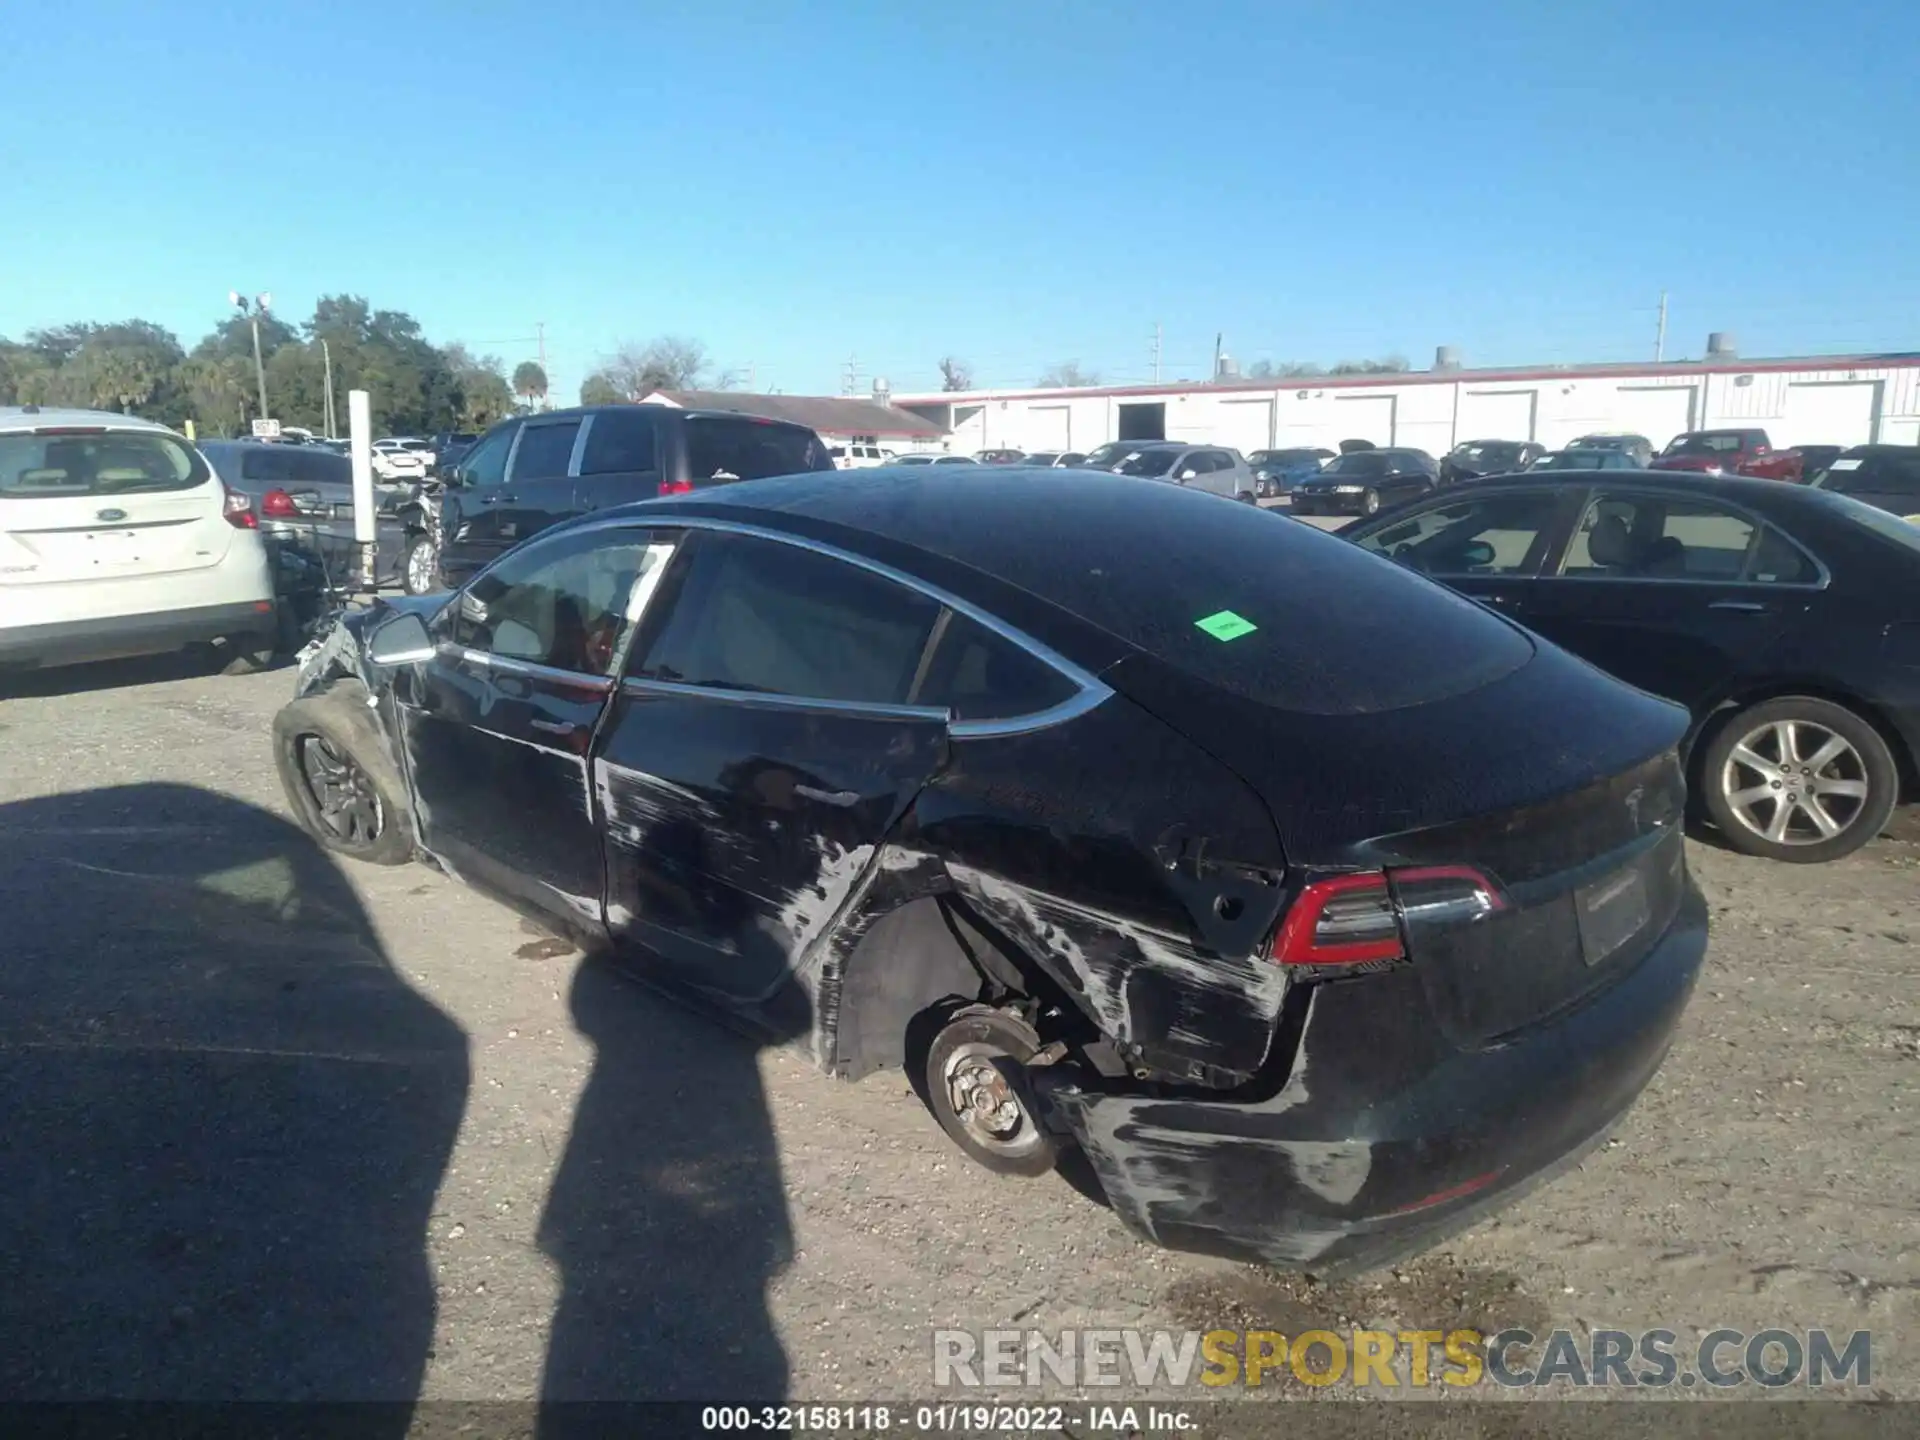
(227, 1113)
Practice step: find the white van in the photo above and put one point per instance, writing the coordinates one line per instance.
(117, 539)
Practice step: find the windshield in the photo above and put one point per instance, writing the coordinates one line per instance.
(1284, 457)
(1707, 442)
(913, 460)
(1360, 462)
(1147, 462)
(54, 464)
(1112, 453)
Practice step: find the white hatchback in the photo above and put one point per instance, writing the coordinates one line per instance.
(116, 539)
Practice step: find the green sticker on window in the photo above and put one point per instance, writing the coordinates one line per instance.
(1225, 625)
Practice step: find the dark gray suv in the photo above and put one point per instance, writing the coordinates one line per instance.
(534, 471)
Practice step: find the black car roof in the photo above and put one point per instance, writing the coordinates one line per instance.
(1742, 489)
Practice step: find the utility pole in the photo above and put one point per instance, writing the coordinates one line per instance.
(253, 310)
(326, 356)
(1219, 348)
(851, 378)
(1660, 338)
(1156, 352)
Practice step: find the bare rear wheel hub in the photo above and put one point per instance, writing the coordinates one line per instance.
(986, 1102)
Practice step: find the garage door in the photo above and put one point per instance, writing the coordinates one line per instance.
(1494, 415)
(1365, 417)
(1840, 412)
(1247, 425)
(1047, 427)
(1658, 412)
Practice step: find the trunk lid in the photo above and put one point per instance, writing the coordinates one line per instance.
(83, 503)
(1558, 784)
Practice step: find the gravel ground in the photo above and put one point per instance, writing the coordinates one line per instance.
(285, 1128)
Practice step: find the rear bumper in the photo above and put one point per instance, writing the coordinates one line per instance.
(78, 642)
(1373, 1150)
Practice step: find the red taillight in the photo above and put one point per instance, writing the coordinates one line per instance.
(676, 487)
(238, 510)
(1356, 919)
(278, 505)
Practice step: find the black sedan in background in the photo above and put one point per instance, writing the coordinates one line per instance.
(1363, 482)
(1475, 458)
(1786, 619)
(1886, 477)
(1319, 940)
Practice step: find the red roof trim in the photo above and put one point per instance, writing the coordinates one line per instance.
(1677, 370)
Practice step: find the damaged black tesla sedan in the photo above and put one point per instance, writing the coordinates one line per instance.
(1323, 909)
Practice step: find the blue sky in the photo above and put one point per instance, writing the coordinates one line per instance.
(1013, 183)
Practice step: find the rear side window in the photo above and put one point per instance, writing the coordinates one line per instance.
(766, 616)
(117, 462)
(720, 447)
(620, 441)
(545, 451)
(1664, 539)
(979, 675)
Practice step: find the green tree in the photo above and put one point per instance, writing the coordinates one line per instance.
(600, 388)
(529, 383)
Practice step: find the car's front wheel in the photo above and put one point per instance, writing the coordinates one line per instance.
(420, 575)
(339, 779)
(976, 1087)
(1798, 779)
(1370, 502)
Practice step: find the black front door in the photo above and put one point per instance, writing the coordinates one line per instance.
(1489, 544)
(470, 508)
(1678, 597)
(499, 725)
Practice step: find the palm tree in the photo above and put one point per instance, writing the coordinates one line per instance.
(530, 383)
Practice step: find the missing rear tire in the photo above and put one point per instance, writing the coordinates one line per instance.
(977, 1088)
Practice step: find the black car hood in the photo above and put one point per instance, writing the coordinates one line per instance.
(1336, 782)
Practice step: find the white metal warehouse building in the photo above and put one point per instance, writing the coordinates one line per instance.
(1834, 400)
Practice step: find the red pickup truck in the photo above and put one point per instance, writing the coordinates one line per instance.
(1714, 451)
(1798, 464)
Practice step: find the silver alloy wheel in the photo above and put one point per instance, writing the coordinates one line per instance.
(977, 1089)
(420, 564)
(343, 797)
(1795, 782)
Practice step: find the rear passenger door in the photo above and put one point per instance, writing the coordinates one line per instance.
(761, 748)
(1681, 597)
(539, 487)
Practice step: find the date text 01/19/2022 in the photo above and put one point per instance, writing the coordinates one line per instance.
(940, 1419)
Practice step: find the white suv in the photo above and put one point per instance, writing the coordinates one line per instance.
(116, 539)
(859, 457)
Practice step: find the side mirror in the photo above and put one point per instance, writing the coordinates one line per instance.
(1476, 555)
(1188, 474)
(401, 640)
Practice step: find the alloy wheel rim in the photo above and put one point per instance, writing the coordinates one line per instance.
(420, 568)
(986, 1104)
(343, 797)
(1795, 782)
